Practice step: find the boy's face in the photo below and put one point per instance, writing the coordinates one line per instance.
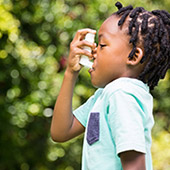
(110, 60)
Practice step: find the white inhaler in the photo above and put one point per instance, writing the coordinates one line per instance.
(84, 60)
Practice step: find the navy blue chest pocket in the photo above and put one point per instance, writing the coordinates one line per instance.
(93, 128)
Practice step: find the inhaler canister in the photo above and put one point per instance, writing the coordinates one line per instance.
(84, 60)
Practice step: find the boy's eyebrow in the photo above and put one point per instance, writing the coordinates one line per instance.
(100, 36)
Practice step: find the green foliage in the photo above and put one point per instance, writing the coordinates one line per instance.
(34, 44)
(161, 151)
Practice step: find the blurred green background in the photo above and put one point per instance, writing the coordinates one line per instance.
(34, 43)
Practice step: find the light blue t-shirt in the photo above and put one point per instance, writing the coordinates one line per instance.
(117, 118)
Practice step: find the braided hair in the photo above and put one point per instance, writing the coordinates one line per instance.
(152, 31)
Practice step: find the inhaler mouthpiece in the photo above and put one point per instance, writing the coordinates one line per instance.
(84, 60)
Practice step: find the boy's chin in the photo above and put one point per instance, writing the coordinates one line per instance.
(94, 84)
(97, 84)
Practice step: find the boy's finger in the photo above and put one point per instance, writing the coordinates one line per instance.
(83, 52)
(85, 43)
(94, 50)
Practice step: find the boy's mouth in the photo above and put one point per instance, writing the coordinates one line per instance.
(91, 70)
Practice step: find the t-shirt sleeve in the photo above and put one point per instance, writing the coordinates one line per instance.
(126, 120)
(81, 113)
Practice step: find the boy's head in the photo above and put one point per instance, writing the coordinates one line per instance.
(145, 44)
(151, 32)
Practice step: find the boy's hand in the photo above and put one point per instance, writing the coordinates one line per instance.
(63, 119)
(76, 49)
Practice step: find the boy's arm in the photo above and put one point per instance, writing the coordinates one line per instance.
(64, 125)
(132, 160)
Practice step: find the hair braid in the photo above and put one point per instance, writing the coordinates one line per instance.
(136, 11)
(123, 9)
(163, 15)
(156, 30)
(134, 15)
(119, 5)
(134, 37)
(122, 20)
(144, 26)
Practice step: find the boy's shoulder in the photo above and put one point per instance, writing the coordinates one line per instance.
(128, 85)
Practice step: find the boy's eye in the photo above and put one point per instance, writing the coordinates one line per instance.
(102, 45)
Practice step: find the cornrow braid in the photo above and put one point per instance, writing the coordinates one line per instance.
(151, 30)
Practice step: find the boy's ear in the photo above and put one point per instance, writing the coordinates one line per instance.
(136, 58)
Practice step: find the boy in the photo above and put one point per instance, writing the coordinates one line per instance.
(132, 55)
